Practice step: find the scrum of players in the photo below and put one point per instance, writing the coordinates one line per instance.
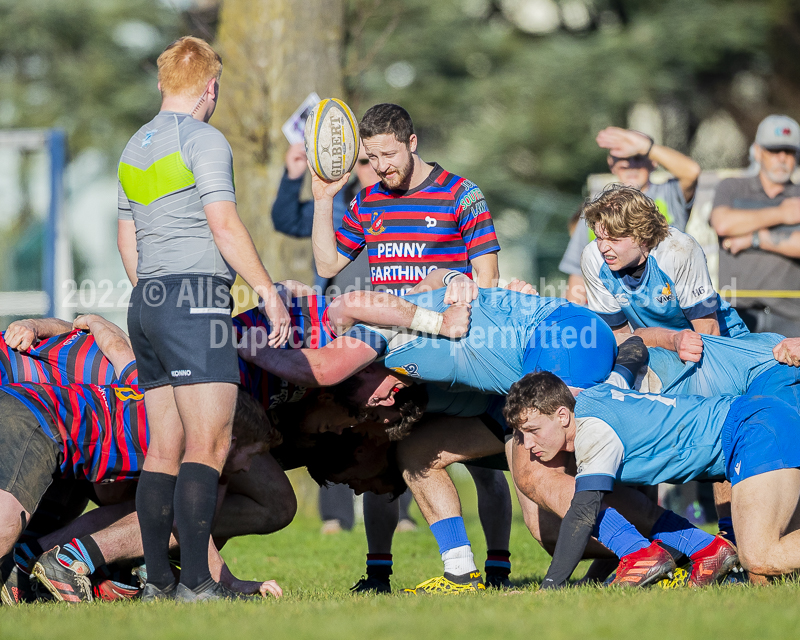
(657, 380)
(383, 392)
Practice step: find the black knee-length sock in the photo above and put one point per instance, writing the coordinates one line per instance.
(154, 499)
(195, 503)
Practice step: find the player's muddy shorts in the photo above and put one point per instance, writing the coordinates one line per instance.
(760, 434)
(29, 457)
(573, 343)
(181, 332)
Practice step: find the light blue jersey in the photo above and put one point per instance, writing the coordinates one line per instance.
(489, 359)
(674, 289)
(727, 367)
(645, 439)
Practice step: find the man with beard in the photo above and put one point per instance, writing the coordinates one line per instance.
(758, 222)
(418, 218)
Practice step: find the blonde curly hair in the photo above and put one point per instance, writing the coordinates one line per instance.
(627, 212)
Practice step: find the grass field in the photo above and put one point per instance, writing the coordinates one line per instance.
(316, 572)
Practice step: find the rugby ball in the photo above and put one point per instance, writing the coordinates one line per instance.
(331, 139)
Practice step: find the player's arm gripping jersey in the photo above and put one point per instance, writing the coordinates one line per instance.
(170, 169)
(443, 223)
(309, 330)
(71, 358)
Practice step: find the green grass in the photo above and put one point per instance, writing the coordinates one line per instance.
(316, 572)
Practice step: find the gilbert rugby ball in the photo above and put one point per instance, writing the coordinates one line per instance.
(331, 139)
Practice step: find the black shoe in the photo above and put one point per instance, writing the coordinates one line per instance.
(372, 584)
(15, 585)
(151, 593)
(67, 583)
(210, 590)
(497, 581)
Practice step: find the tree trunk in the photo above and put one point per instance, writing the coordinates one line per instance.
(274, 52)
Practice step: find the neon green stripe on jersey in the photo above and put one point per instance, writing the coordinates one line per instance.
(163, 177)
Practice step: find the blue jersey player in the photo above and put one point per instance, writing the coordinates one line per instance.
(643, 276)
(753, 441)
(511, 334)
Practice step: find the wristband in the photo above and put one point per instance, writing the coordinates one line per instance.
(756, 242)
(448, 277)
(427, 321)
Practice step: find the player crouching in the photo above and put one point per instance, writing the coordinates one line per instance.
(92, 432)
(644, 439)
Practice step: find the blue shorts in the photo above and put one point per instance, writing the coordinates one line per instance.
(760, 434)
(573, 343)
(782, 381)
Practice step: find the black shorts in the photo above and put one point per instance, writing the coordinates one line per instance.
(181, 331)
(29, 457)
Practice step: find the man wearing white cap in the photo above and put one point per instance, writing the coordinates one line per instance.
(758, 222)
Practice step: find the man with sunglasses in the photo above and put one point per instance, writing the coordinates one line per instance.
(758, 222)
(632, 157)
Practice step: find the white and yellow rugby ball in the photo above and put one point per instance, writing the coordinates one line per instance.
(331, 139)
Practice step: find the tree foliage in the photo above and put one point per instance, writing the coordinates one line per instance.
(85, 65)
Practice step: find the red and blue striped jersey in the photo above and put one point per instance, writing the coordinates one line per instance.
(442, 223)
(309, 330)
(101, 429)
(71, 358)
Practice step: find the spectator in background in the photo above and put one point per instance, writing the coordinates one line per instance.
(757, 220)
(632, 157)
(295, 217)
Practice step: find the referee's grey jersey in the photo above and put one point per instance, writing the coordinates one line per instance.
(170, 169)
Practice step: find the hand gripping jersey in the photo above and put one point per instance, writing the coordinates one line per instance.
(170, 169)
(728, 366)
(488, 359)
(641, 438)
(309, 329)
(101, 429)
(71, 358)
(442, 223)
(674, 289)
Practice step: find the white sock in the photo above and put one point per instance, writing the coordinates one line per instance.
(459, 561)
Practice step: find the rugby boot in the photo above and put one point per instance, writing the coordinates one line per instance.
(371, 584)
(15, 585)
(644, 567)
(211, 590)
(713, 563)
(497, 581)
(66, 582)
(679, 579)
(449, 583)
(109, 590)
(151, 593)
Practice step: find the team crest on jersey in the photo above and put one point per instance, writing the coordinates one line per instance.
(409, 369)
(666, 294)
(376, 224)
(127, 393)
(148, 138)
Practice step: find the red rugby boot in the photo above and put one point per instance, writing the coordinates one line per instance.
(644, 567)
(713, 563)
